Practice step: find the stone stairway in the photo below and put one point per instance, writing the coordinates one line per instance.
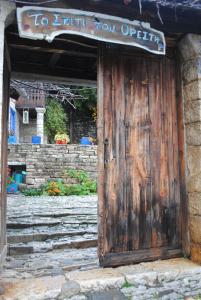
(43, 224)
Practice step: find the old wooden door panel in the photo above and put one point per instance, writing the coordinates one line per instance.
(139, 185)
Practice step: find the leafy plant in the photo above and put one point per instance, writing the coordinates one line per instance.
(33, 192)
(55, 119)
(84, 186)
(62, 136)
(54, 188)
(9, 180)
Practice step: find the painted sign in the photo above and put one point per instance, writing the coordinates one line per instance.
(47, 23)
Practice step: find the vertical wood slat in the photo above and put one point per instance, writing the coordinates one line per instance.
(100, 136)
(184, 213)
(140, 197)
(155, 148)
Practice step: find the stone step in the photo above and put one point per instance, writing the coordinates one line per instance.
(62, 214)
(40, 237)
(52, 222)
(20, 249)
(69, 228)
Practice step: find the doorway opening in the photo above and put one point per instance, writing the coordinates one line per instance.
(68, 63)
(52, 213)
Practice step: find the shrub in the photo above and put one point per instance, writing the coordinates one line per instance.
(55, 119)
(32, 192)
(84, 186)
(54, 188)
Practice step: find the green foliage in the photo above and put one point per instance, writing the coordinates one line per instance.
(88, 105)
(80, 175)
(127, 285)
(55, 119)
(33, 192)
(84, 186)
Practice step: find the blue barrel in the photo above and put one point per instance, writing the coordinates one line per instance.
(12, 139)
(18, 178)
(36, 139)
(12, 188)
(85, 141)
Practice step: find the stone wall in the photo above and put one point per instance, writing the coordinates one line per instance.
(81, 128)
(191, 77)
(45, 162)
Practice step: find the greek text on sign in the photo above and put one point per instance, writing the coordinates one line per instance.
(46, 23)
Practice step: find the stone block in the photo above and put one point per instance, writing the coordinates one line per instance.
(194, 160)
(193, 134)
(194, 203)
(30, 181)
(191, 70)
(192, 91)
(69, 289)
(196, 253)
(192, 111)
(194, 183)
(190, 46)
(195, 229)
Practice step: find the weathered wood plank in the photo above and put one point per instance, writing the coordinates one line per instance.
(184, 213)
(131, 257)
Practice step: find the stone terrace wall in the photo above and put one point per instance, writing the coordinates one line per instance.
(45, 162)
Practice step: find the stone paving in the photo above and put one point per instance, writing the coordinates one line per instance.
(175, 279)
(41, 224)
(48, 273)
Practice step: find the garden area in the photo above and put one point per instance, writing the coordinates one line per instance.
(74, 182)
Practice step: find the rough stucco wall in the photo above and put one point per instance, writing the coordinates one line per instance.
(45, 162)
(191, 74)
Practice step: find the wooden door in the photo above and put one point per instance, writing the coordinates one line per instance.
(139, 185)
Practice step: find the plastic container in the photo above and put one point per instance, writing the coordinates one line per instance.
(24, 173)
(85, 141)
(18, 178)
(12, 188)
(12, 139)
(36, 139)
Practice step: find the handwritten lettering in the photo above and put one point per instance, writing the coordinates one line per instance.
(56, 21)
(46, 23)
(36, 19)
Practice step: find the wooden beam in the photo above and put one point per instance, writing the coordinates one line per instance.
(181, 20)
(51, 78)
(53, 60)
(130, 257)
(52, 50)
